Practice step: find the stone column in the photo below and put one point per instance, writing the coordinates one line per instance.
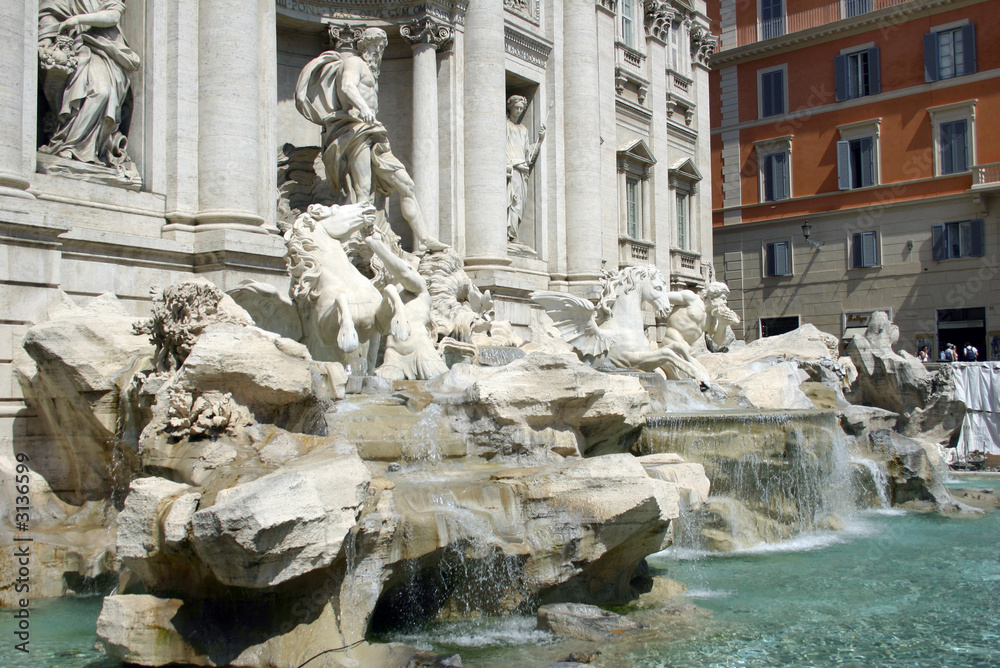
(582, 137)
(426, 36)
(228, 114)
(485, 134)
(13, 24)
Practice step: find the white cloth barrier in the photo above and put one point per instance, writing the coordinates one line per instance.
(977, 384)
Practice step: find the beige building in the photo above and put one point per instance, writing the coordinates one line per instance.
(204, 135)
(858, 145)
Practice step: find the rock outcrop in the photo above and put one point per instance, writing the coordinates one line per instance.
(585, 622)
(539, 406)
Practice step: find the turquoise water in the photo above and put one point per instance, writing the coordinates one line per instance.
(894, 589)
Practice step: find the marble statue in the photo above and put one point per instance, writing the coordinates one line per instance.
(338, 312)
(521, 156)
(612, 332)
(410, 351)
(694, 316)
(339, 91)
(86, 65)
(459, 309)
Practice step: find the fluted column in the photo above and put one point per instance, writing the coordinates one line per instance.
(485, 134)
(426, 36)
(13, 24)
(228, 113)
(582, 137)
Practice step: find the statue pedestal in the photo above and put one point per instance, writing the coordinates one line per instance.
(127, 177)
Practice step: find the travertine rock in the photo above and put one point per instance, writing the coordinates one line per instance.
(140, 629)
(900, 383)
(539, 405)
(916, 473)
(80, 359)
(690, 477)
(284, 524)
(585, 622)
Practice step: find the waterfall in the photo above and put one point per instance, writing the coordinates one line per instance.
(774, 474)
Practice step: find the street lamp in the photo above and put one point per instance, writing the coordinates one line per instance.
(806, 231)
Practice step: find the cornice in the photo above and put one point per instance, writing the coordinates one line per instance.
(526, 47)
(633, 111)
(386, 11)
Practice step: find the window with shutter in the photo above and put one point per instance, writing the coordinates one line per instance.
(772, 93)
(772, 19)
(776, 182)
(954, 147)
(778, 259)
(856, 163)
(864, 250)
(965, 238)
(950, 53)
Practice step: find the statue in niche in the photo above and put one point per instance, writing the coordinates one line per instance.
(521, 156)
(695, 316)
(612, 332)
(86, 64)
(339, 91)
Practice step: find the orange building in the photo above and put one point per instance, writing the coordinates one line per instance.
(856, 166)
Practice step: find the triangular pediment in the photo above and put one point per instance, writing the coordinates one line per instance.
(685, 169)
(637, 151)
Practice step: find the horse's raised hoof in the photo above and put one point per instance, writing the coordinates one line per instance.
(347, 339)
(399, 328)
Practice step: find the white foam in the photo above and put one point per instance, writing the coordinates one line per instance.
(709, 593)
(508, 631)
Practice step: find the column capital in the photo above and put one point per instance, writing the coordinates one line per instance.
(427, 31)
(703, 42)
(343, 36)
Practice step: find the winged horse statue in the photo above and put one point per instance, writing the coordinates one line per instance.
(613, 330)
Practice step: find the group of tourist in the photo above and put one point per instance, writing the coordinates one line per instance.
(950, 353)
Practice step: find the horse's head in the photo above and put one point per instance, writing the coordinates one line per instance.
(654, 290)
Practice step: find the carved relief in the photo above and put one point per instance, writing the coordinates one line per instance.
(343, 37)
(659, 16)
(703, 42)
(427, 31)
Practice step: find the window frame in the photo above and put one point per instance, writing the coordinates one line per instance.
(941, 239)
(682, 211)
(633, 206)
(857, 250)
(768, 148)
(842, 72)
(949, 113)
(626, 19)
(777, 24)
(854, 132)
(769, 257)
(932, 50)
(768, 71)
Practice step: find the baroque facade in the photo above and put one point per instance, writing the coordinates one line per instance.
(871, 126)
(194, 152)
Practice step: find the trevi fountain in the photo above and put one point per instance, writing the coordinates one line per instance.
(369, 466)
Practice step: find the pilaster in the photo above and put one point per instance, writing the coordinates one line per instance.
(18, 71)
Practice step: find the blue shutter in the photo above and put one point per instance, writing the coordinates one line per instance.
(780, 176)
(939, 242)
(947, 154)
(769, 178)
(868, 249)
(969, 48)
(960, 144)
(874, 72)
(840, 77)
(977, 247)
(856, 252)
(931, 72)
(782, 265)
(844, 165)
(867, 162)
